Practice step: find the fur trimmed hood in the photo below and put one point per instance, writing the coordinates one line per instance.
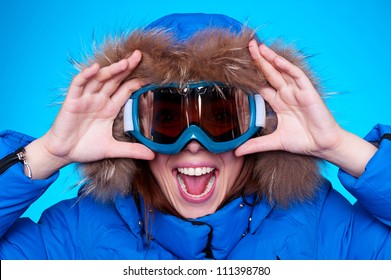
(194, 47)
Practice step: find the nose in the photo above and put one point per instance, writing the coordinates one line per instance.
(194, 147)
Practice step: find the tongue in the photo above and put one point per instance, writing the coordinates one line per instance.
(196, 185)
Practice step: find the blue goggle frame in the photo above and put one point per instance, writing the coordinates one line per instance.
(257, 113)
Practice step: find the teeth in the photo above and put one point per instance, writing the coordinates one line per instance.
(195, 171)
(207, 190)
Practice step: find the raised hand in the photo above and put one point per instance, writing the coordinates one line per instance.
(305, 125)
(82, 131)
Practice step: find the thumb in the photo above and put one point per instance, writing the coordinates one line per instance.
(130, 150)
(259, 144)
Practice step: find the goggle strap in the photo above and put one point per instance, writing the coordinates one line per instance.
(260, 117)
(128, 116)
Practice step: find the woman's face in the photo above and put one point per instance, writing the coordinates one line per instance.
(196, 181)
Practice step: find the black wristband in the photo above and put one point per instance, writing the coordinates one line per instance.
(386, 136)
(15, 157)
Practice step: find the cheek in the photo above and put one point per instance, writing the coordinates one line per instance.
(161, 171)
(232, 167)
(232, 162)
(159, 164)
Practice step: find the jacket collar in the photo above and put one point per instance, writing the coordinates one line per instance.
(211, 236)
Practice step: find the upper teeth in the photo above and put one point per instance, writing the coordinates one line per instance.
(198, 171)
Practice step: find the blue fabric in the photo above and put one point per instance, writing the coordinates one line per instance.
(184, 26)
(376, 200)
(326, 228)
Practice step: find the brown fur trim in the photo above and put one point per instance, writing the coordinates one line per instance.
(108, 178)
(213, 55)
(285, 177)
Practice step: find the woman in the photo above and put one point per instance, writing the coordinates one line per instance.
(197, 141)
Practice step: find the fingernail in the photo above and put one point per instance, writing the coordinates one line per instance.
(263, 46)
(281, 58)
(252, 43)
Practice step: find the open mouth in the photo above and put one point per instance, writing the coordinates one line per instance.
(196, 184)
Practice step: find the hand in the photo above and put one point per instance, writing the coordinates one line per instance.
(82, 131)
(305, 125)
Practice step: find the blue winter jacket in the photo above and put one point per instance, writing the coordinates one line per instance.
(328, 227)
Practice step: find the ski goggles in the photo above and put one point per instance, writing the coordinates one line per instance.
(220, 117)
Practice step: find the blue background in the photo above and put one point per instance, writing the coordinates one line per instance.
(350, 44)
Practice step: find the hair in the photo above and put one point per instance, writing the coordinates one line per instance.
(214, 55)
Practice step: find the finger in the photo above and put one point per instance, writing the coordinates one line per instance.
(79, 81)
(130, 150)
(124, 92)
(290, 72)
(269, 94)
(134, 59)
(96, 83)
(272, 75)
(259, 144)
(271, 56)
(112, 83)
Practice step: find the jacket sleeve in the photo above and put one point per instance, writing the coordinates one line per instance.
(362, 230)
(373, 188)
(17, 193)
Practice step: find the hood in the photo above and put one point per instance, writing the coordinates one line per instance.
(193, 47)
(183, 26)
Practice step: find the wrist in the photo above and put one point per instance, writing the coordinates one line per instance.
(352, 154)
(41, 162)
